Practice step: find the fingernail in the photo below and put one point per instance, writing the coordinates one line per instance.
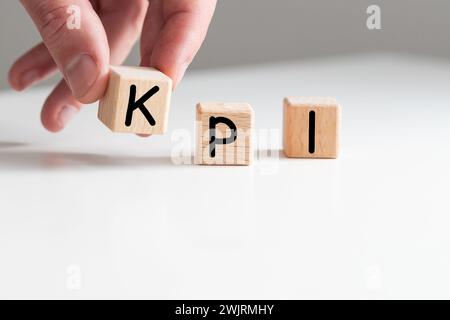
(66, 114)
(29, 77)
(81, 74)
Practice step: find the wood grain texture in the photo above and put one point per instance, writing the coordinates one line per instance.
(113, 107)
(240, 152)
(296, 131)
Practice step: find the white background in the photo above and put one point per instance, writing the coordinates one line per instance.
(92, 214)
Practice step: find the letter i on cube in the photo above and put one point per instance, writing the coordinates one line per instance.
(311, 127)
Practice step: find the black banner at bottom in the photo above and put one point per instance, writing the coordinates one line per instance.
(216, 309)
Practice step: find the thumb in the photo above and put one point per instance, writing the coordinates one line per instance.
(77, 42)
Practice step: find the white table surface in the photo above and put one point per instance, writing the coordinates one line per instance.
(92, 214)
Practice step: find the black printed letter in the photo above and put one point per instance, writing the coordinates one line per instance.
(213, 121)
(312, 132)
(133, 105)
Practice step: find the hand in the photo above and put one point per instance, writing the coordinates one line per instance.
(172, 33)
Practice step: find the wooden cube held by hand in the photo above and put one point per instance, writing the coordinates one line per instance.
(311, 127)
(224, 133)
(137, 100)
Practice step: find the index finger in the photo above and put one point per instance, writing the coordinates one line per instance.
(81, 52)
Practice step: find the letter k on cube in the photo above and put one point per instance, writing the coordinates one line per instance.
(137, 101)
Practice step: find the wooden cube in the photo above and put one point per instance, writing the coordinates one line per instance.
(224, 133)
(137, 100)
(311, 127)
